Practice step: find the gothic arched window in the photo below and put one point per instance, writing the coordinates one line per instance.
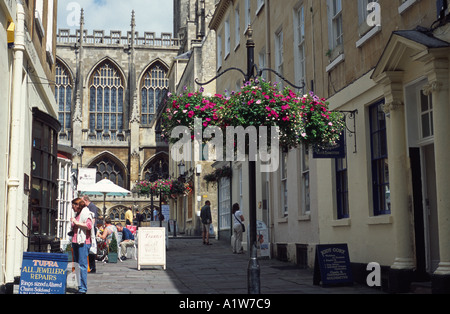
(117, 214)
(154, 83)
(106, 99)
(109, 169)
(63, 96)
(157, 169)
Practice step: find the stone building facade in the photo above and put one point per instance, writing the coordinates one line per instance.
(28, 129)
(196, 61)
(385, 64)
(108, 91)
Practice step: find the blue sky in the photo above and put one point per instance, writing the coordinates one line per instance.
(151, 15)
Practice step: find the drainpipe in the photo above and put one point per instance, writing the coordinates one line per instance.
(13, 204)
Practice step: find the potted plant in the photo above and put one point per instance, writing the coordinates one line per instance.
(112, 252)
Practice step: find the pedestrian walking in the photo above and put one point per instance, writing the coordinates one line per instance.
(82, 239)
(138, 219)
(93, 251)
(238, 229)
(129, 217)
(206, 218)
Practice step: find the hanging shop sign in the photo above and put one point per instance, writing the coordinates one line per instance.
(43, 273)
(330, 151)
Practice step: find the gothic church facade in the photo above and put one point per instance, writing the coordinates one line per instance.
(108, 91)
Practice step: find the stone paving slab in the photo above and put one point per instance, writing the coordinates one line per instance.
(193, 268)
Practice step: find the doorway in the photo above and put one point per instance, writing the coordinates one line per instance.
(430, 207)
(419, 114)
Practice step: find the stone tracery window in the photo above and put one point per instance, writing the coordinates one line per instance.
(63, 96)
(154, 83)
(157, 169)
(106, 100)
(109, 169)
(117, 214)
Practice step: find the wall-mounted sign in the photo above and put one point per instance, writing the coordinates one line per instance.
(330, 151)
(43, 273)
(86, 177)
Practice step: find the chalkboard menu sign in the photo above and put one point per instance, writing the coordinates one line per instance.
(43, 274)
(332, 265)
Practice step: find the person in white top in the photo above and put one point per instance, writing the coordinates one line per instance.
(238, 229)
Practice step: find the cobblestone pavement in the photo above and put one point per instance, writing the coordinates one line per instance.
(193, 268)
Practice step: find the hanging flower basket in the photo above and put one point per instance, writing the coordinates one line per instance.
(163, 186)
(218, 174)
(301, 119)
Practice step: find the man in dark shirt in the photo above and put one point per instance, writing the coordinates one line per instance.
(205, 216)
(127, 240)
(94, 209)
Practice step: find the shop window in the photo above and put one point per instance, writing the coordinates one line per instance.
(44, 182)
(379, 157)
(342, 189)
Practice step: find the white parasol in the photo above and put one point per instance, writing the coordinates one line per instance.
(105, 187)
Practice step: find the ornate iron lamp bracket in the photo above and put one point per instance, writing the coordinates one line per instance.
(352, 116)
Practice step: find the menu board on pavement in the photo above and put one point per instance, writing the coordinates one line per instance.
(151, 247)
(332, 265)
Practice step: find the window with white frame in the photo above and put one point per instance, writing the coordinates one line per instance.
(279, 58)
(300, 53)
(241, 188)
(336, 35)
(262, 62)
(224, 204)
(259, 5)
(363, 13)
(248, 20)
(219, 51)
(64, 198)
(426, 115)
(227, 38)
(306, 200)
(284, 184)
(237, 27)
(49, 44)
(38, 16)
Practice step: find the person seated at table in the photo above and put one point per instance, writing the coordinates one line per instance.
(127, 240)
(108, 231)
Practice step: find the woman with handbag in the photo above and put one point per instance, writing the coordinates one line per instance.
(238, 229)
(82, 239)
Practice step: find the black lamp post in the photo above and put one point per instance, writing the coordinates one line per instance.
(181, 178)
(253, 270)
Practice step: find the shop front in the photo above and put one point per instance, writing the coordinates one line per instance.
(43, 206)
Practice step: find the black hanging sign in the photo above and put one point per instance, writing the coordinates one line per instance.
(330, 151)
(332, 266)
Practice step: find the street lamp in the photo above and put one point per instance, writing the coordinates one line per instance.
(181, 168)
(253, 270)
